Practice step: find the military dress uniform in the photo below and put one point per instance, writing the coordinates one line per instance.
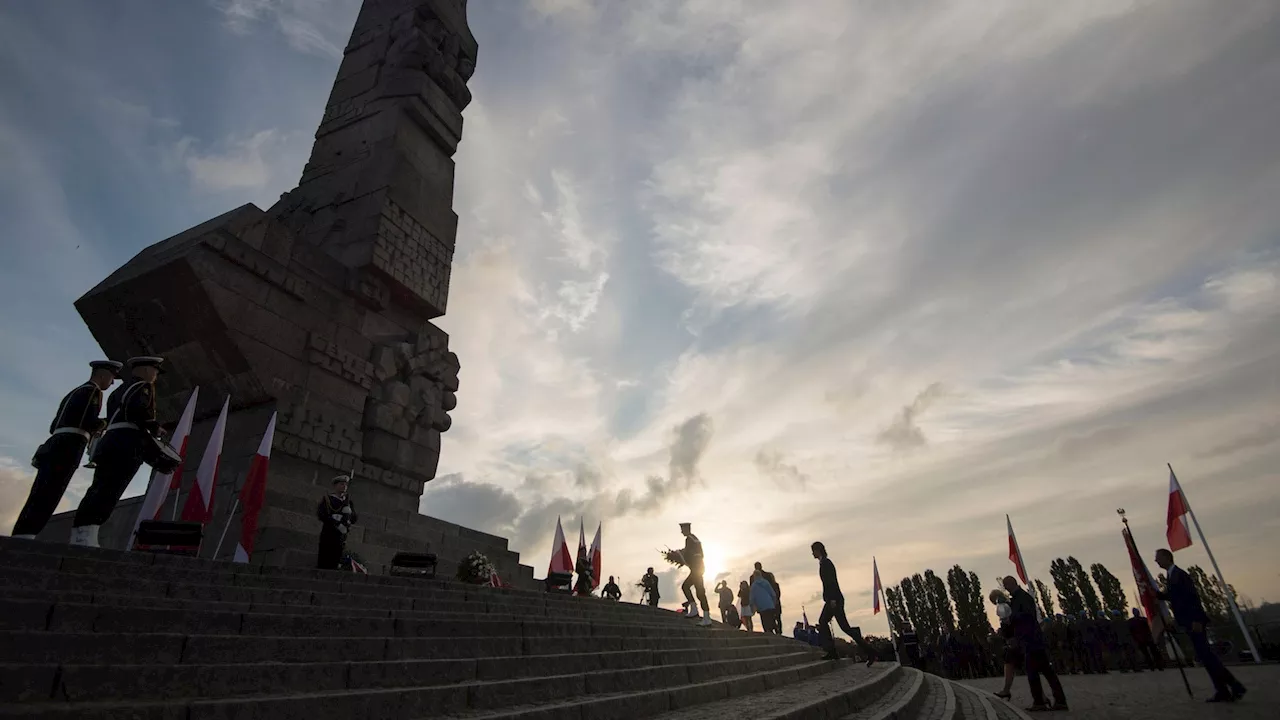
(131, 419)
(336, 515)
(75, 423)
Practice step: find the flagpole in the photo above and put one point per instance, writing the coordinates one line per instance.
(1169, 628)
(223, 536)
(1226, 589)
(888, 613)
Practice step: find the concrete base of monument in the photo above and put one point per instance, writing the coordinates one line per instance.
(289, 538)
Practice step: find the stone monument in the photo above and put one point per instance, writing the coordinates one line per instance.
(320, 307)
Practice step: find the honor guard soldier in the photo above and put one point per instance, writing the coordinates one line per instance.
(337, 515)
(125, 445)
(74, 425)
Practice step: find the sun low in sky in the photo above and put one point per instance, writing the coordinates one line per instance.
(866, 274)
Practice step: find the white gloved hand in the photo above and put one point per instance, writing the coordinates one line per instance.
(336, 517)
(342, 529)
(346, 510)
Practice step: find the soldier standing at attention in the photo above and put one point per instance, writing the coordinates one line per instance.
(337, 515)
(131, 419)
(75, 423)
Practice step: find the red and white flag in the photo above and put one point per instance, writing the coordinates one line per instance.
(160, 486)
(1147, 588)
(494, 580)
(875, 587)
(1015, 554)
(199, 507)
(253, 494)
(597, 561)
(1177, 532)
(561, 561)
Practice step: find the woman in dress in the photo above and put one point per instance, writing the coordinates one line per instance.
(745, 610)
(1004, 611)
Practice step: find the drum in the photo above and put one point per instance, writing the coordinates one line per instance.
(162, 458)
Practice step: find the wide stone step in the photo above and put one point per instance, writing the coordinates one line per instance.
(935, 700)
(655, 702)
(848, 691)
(18, 611)
(231, 582)
(250, 589)
(972, 704)
(600, 673)
(172, 648)
(573, 696)
(78, 617)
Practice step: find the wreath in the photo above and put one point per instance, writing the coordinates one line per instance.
(675, 557)
(475, 569)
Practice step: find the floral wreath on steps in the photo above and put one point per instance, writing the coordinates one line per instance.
(476, 569)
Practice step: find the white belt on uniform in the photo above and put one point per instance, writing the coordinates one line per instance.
(122, 426)
(72, 431)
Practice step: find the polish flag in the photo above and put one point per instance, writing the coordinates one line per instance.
(1178, 534)
(597, 561)
(1015, 555)
(252, 494)
(875, 587)
(160, 486)
(199, 507)
(494, 580)
(561, 562)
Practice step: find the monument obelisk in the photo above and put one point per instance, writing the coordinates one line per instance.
(320, 307)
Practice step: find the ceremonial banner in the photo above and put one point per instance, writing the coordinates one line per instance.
(161, 484)
(597, 561)
(199, 507)
(1015, 554)
(253, 494)
(561, 561)
(1147, 588)
(1177, 532)
(875, 587)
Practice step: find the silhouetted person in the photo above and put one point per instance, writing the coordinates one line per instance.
(57, 459)
(337, 515)
(1191, 617)
(724, 600)
(1140, 629)
(777, 592)
(833, 608)
(611, 591)
(693, 559)
(650, 583)
(120, 452)
(1026, 629)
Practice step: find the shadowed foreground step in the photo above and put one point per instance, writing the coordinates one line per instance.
(91, 634)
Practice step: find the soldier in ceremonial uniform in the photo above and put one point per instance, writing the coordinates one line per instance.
(337, 515)
(75, 423)
(693, 558)
(131, 420)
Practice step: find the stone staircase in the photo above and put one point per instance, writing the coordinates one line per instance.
(96, 634)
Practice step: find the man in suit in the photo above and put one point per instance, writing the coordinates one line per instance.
(1026, 628)
(1189, 612)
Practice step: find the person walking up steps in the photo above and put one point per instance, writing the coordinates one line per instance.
(833, 608)
(75, 423)
(692, 556)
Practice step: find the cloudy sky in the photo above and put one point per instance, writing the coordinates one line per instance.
(870, 275)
